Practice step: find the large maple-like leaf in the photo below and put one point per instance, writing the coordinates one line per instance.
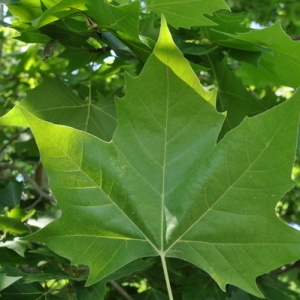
(163, 187)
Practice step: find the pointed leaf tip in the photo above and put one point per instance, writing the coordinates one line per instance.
(169, 54)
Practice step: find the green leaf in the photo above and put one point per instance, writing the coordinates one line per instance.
(274, 288)
(12, 222)
(25, 10)
(19, 290)
(187, 13)
(65, 35)
(117, 18)
(122, 21)
(6, 281)
(78, 59)
(226, 22)
(17, 245)
(10, 195)
(163, 187)
(18, 213)
(279, 54)
(131, 268)
(62, 106)
(201, 286)
(116, 45)
(95, 291)
(11, 225)
(98, 290)
(233, 97)
(123, 18)
(54, 275)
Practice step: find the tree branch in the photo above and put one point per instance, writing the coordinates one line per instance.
(120, 290)
(12, 140)
(287, 268)
(28, 179)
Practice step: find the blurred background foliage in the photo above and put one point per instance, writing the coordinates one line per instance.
(90, 68)
(267, 12)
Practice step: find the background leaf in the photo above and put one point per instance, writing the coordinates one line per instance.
(279, 54)
(122, 20)
(10, 195)
(233, 97)
(188, 13)
(6, 281)
(26, 10)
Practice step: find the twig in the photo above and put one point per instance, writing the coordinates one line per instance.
(287, 268)
(12, 140)
(29, 180)
(34, 203)
(120, 290)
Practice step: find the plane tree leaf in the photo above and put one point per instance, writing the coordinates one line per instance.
(122, 21)
(233, 96)
(226, 22)
(273, 51)
(186, 13)
(282, 55)
(164, 187)
(278, 52)
(123, 18)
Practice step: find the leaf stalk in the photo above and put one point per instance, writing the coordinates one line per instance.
(166, 274)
